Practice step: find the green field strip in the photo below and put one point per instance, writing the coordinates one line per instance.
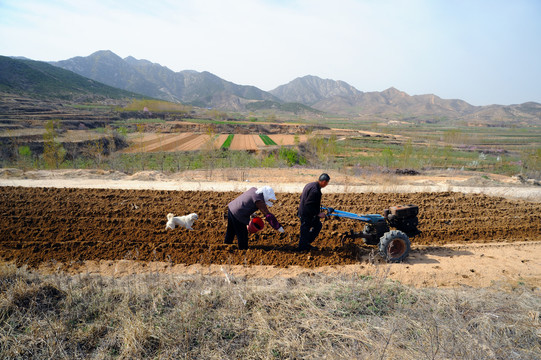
(267, 140)
(227, 142)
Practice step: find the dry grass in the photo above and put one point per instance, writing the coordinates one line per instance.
(312, 316)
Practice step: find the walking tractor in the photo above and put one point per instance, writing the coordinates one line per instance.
(394, 245)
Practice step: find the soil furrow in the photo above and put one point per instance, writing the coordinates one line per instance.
(40, 225)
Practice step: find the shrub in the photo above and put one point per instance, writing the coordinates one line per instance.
(291, 156)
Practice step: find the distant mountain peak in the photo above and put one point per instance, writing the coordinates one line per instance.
(311, 89)
(104, 52)
(101, 54)
(392, 91)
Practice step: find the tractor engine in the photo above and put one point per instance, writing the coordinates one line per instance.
(375, 229)
(403, 218)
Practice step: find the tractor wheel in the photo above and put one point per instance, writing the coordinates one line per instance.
(394, 246)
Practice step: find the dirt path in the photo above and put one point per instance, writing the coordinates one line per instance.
(154, 181)
(476, 265)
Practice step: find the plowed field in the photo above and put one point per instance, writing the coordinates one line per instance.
(286, 140)
(158, 142)
(40, 225)
(243, 142)
(150, 142)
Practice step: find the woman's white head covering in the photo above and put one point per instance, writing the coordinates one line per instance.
(268, 194)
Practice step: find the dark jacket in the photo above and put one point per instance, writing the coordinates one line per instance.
(249, 202)
(310, 204)
(245, 205)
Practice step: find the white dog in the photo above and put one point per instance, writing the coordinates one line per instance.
(184, 221)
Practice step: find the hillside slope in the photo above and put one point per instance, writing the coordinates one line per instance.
(40, 79)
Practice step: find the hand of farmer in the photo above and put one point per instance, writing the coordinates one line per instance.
(272, 221)
(281, 229)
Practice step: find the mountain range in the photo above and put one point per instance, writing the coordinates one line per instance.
(304, 94)
(144, 77)
(338, 97)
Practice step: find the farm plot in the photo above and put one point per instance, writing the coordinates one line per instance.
(153, 142)
(169, 142)
(40, 225)
(172, 142)
(227, 142)
(259, 142)
(212, 143)
(244, 142)
(146, 141)
(287, 140)
(194, 142)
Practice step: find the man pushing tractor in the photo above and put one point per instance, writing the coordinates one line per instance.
(310, 212)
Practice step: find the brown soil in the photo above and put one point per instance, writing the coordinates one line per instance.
(192, 142)
(259, 142)
(243, 142)
(44, 225)
(157, 142)
(286, 140)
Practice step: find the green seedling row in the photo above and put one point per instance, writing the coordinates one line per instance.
(227, 142)
(267, 140)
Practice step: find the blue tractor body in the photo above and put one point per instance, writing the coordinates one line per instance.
(394, 245)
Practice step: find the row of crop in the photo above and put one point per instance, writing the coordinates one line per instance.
(267, 140)
(227, 142)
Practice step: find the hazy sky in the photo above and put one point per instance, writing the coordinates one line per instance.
(484, 52)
